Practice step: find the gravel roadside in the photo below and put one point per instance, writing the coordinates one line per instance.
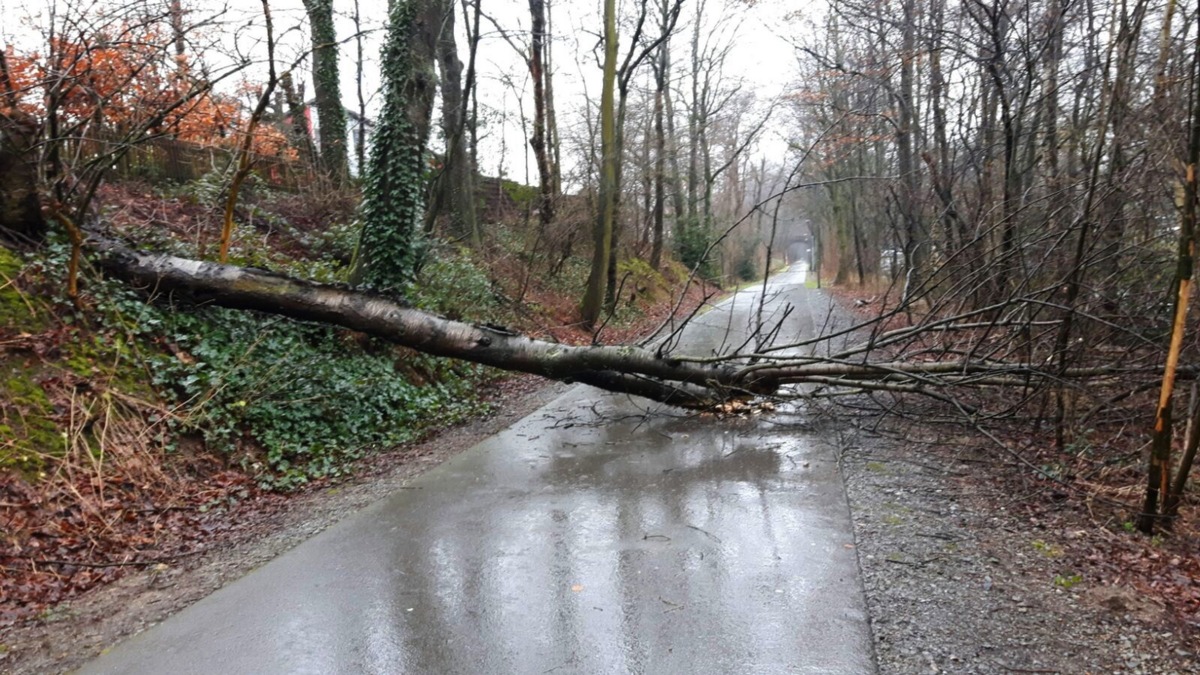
(957, 582)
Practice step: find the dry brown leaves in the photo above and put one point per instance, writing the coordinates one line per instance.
(1091, 494)
(115, 500)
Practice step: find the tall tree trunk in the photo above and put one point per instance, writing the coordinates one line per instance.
(1053, 58)
(706, 174)
(693, 130)
(393, 202)
(472, 90)
(633, 60)
(602, 233)
(456, 182)
(696, 104)
(538, 139)
(21, 219)
(678, 208)
(646, 221)
(985, 211)
(916, 244)
(610, 285)
(551, 115)
(360, 139)
(660, 151)
(1158, 478)
(327, 90)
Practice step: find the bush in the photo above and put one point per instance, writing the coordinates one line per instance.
(746, 269)
(452, 284)
(313, 397)
(693, 242)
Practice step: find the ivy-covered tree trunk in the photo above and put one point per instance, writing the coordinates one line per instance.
(393, 194)
(327, 90)
(299, 132)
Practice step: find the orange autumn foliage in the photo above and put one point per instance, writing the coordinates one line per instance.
(114, 85)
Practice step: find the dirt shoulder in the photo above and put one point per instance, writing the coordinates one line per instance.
(76, 631)
(965, 572)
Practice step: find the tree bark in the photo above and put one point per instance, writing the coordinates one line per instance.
(660, 151)
(360, 139)
(627, 369)
(471, 16)
(538, 139)
(662, 66)
(327, 89)
(1158, 477)
(678, 208)
(552, 136)
(916, 244)
(21, 219)
(602, 232)
(456, 183)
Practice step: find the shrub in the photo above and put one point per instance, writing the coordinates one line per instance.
(693, 243)
(313, 397)
(451, 283)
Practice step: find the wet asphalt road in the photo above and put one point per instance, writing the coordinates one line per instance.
(588, 538)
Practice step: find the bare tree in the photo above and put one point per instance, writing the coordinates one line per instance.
(454, 187)
(606, 211)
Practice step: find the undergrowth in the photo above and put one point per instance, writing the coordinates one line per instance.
(129, 429)
(285, 401)
(311, 397)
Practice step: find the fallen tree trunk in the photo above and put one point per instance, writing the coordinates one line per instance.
(625, 369)
(691, 382)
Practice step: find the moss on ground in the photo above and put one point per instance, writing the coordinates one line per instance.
(27, 425)
(28, 433)
(17, 312)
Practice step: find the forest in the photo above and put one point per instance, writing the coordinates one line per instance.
(239, 243)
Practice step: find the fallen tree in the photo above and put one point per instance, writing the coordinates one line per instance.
(629, 369)
(651, 372)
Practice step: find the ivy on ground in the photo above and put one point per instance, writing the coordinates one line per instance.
(311, 397)
(290, 401)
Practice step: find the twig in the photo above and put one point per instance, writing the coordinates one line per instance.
(707, 534)
(131, 563)
(918, 563)
(1037, 469)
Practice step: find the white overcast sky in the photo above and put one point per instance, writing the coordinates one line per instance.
(760, 55)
